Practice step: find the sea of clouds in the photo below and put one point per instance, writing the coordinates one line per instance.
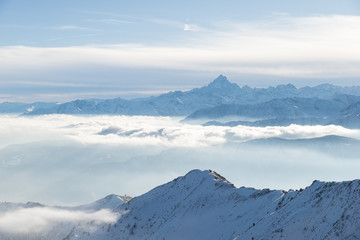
(23, 221)
(63, 159)
(71, 160)
(145, 131)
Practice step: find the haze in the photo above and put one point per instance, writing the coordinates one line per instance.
(62, 159)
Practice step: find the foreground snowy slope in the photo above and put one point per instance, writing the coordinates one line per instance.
(204, 205)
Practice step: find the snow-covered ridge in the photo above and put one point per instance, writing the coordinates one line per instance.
(340, 110)
(204, 205)
(182, 103)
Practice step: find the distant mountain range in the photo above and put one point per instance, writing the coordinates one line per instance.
(332, 145)
(341, 110)
(221, 99)
(204, 205)
(17, 107)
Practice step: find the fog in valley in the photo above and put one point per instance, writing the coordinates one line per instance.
(70, 160)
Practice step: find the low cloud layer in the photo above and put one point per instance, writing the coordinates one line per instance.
(142, 130)
(37, 219)
(63, 159)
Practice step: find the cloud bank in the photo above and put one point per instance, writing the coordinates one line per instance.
(37, 219)
(311, 47)
(144, 130)
(62, 159)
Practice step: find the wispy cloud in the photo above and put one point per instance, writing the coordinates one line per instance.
(140, 130)
(312, 47)
(74, 27)
(193, 28)
(97, 155)
(168, 22)
(110, 21)
(178, 24)
(104, 13)
(37, 219)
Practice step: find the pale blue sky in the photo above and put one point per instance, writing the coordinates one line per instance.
(68, 22)
(63, 50)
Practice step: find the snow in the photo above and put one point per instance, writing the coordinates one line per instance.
(204, 205)
(268, 102)
(109, 202)
(280, 112)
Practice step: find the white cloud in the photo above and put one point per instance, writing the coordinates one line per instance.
(57, 159)
(37, 219)
(167, 22)
(193, 28)
(142, 130)
(323, 46)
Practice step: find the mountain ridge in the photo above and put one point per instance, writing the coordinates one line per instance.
(341, 110)
(204, 205)
(182, 103)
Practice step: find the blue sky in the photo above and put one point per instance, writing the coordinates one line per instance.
(63, 50)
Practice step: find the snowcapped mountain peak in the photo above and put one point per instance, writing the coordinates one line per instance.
(288, 86)
(204, 205)
(208, 177)
(326, 86)
(218, 177)
(111, 201)
(219, 92)
(33, 204)
(221, 82)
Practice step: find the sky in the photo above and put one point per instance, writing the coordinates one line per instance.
(65, 50)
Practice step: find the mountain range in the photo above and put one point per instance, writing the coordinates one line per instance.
(332, 145)
(204, 205)
(221, 100)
